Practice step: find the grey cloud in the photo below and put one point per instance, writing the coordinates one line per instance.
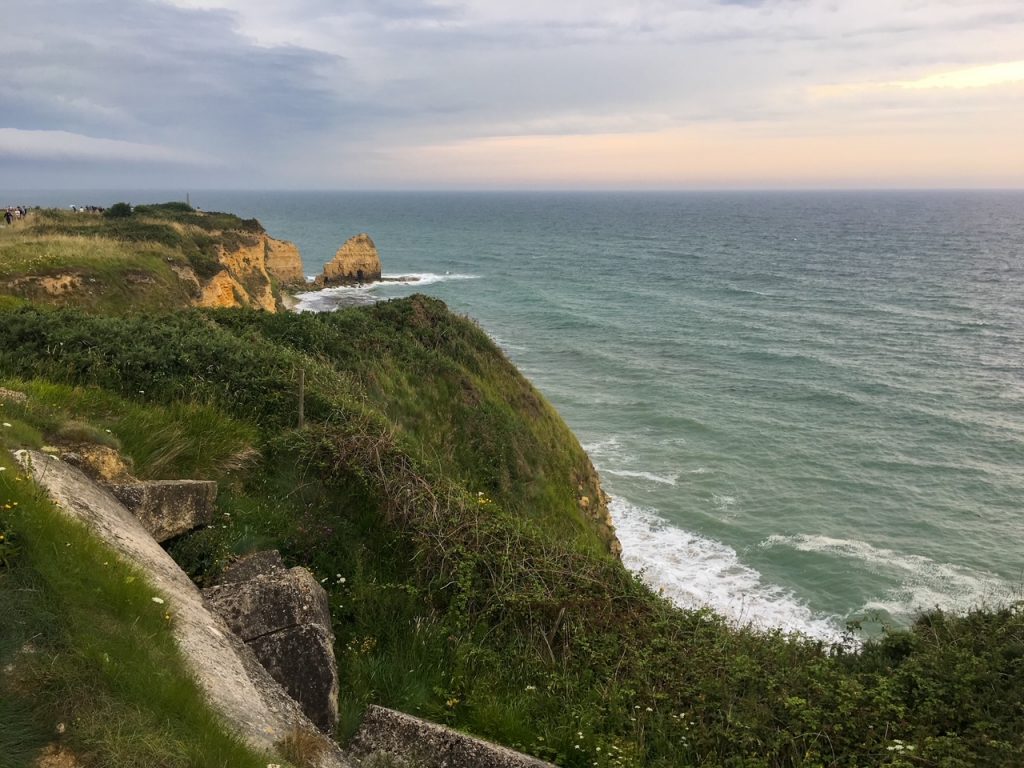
(154, 74)
(358, 77)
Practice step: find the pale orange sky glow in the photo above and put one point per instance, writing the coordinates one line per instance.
(729, 156)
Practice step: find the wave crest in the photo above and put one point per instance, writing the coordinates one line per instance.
(695, 572)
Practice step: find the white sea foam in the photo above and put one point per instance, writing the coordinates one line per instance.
(662, 479)
(923, 583)
(421, 278)
(695, 571)
(602, 449)
(328, 299)
(722, 502)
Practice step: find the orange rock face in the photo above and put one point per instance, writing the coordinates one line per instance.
(357, 261)
(284, 263)
(245, 279)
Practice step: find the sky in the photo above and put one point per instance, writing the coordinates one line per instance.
(512, 94)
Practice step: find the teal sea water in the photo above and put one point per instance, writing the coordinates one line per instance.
(808, 407)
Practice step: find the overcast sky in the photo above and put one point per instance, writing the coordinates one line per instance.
(355, 94)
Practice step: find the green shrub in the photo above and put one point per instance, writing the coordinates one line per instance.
(118, 211)
(169, 209)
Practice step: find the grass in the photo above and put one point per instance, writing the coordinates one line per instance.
(166, 442)
(88, 658)
(435, 495)
(108, 275)
(117, 264)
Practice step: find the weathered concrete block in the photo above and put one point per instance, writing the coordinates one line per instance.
(271, 602)
(250, 566)
(407, 740)
(284, 616)
(301, 659)
(169, 508)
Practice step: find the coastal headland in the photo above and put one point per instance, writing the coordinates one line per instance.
(411, 505)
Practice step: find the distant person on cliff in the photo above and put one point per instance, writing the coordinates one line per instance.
(7, 216)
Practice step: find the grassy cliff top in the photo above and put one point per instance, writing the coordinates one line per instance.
(124, 259)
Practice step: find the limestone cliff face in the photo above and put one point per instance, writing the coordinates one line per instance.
(221, 291)
(357, 261)
(245, 280)
(284, 262)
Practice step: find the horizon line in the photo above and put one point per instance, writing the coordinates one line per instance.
(518, 190)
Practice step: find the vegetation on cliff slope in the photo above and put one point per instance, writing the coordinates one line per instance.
(435, 494)
(438, 498)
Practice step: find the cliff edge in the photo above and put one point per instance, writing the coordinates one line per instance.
(252, 273)
(148, 257)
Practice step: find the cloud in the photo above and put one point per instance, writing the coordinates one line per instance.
(334, 92)
(974, 77)
(62, 145)
(987, 76)
(148, 74)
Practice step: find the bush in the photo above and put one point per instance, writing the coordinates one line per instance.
(172, 207)
(118, 211)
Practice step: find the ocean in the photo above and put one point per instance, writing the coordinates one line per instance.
(808, 407)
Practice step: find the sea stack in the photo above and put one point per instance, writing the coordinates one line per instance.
(355, 262)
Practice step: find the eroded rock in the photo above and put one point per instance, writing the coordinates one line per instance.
(250, 566)
(284, 262)
(270, 602)
(301, 659)
(357, 261)
(100, 462)
(12, 395)
(56, 756)
(284, 616)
